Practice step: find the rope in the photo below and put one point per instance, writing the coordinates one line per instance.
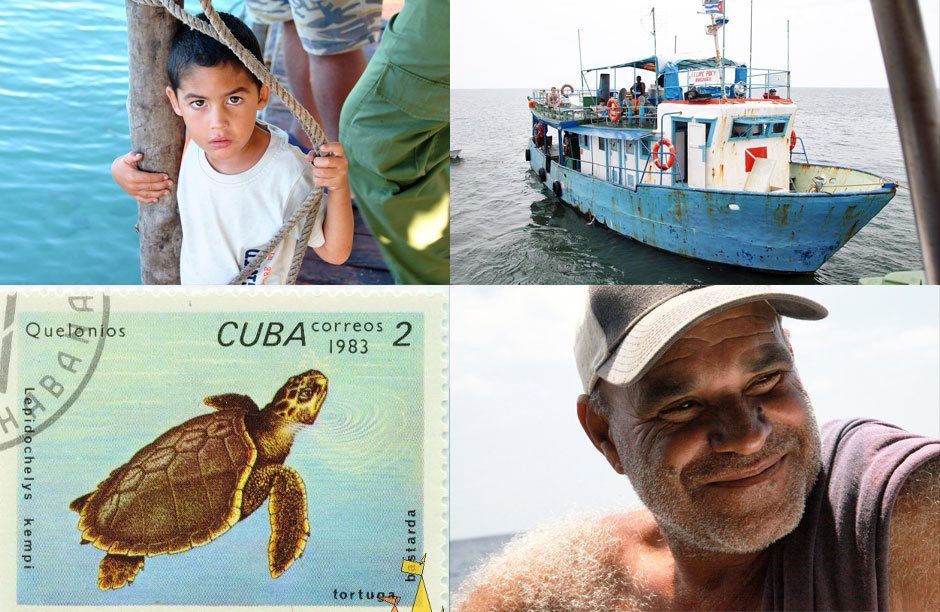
(217, 29)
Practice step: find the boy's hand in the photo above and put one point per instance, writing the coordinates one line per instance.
(330, 171)
(145, 187)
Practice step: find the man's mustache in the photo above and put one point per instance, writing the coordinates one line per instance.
(722, 465)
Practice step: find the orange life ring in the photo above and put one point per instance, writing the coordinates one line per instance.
(570, 90)
(792, 139)
(672, 154)
(613, 109)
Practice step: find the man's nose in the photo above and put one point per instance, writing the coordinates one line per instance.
(740, 427)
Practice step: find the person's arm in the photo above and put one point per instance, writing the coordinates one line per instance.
(330, 172)
(914, 542)
(145, 187)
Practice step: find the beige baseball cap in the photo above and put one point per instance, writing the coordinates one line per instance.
(626, 329)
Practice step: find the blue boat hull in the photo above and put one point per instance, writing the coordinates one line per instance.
(776, 232)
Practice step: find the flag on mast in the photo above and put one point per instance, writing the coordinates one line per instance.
(715, 7)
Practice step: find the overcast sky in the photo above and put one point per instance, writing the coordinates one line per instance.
(518, 455)
(528, 43)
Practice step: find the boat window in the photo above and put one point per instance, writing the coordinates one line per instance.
(759, 127)
(628, 148)
(614, 146)
(585, 141)
(739, 129)
(600, 143)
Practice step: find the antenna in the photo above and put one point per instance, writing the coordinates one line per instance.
(750, 53)
(653, 12)
(580, 63)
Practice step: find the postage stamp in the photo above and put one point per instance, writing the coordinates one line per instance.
(218, 448)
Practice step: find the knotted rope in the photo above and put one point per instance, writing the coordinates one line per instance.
(217, 29)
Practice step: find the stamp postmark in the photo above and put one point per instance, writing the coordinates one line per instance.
(220, 449)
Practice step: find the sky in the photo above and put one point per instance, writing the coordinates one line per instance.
(518, 456)
(527, 44)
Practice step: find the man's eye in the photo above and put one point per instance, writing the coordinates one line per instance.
(765, 383)
(197, 103)
(683, 411)
(235, 100)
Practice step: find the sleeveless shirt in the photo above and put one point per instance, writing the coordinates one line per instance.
(837, 557)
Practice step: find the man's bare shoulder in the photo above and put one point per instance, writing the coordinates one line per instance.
(914, 541)
(574, 565)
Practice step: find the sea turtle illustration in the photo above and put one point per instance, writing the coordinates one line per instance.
(194, 482)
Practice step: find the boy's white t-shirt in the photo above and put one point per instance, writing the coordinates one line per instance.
(227, 218)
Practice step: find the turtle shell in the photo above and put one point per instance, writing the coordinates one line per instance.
(182, 490)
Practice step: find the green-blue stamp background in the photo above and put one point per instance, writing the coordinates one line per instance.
(361, 461)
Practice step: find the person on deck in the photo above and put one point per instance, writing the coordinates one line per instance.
(539, 134)
(692, 392)
(639, 94)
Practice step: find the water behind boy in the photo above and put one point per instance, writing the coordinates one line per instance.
(239, 178)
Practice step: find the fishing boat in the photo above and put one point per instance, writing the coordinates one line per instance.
(704, 160)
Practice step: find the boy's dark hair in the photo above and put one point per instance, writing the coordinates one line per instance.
(193, 47)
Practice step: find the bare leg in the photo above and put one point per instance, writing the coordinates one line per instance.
(333, 77)
(298, 78)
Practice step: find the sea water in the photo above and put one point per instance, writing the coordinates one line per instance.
(63, 90)
(507, 228)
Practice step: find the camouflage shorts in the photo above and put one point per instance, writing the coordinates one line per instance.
(326, 27)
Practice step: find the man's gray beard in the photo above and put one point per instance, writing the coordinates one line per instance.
(698, 528)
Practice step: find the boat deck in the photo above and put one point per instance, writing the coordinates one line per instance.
(365, 265)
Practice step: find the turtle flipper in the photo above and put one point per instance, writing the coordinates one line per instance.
(228, 401)
(117, 570)
(287, 507)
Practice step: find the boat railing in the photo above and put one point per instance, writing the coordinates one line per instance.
(802, 150)
(582, 106)
(649, 170)
(761, 81)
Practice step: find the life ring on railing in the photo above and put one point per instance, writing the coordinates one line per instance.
(792, 139)
(570, 90)
(672, 154)
(613, 109)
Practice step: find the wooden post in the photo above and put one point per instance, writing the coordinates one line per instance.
(158, 133)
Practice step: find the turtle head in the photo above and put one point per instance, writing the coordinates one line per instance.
(300, 398)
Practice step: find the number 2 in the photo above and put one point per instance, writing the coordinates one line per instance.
(404, 335)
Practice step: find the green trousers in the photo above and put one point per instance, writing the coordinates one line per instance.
(395, 128)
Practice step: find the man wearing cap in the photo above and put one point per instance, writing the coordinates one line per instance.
(693, 393)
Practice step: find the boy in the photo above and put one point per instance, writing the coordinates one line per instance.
(239, 178)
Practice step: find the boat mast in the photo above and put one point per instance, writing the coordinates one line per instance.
(713, 30)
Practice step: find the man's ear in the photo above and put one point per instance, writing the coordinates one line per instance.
(786, 336)
(597, 428)
(173, 101)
